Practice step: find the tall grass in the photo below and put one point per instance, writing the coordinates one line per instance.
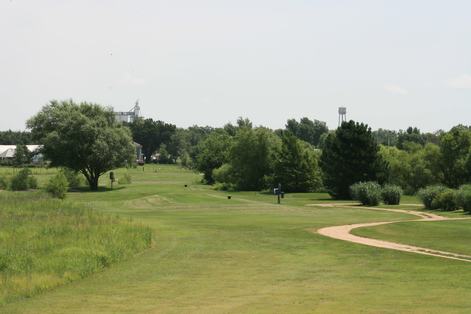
(46, 242)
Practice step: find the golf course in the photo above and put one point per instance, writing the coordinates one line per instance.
(247, 254)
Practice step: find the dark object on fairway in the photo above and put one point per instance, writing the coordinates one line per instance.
(186, 185)
(279, 193)
(112, 178)
(229, 197)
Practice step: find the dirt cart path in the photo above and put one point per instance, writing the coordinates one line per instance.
(343, 233)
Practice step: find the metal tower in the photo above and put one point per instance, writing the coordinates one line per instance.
(342, 115)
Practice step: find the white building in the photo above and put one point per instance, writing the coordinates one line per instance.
(8, 151)
(128, 116)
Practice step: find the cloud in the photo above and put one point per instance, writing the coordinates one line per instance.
(396, 89)
(463, 81)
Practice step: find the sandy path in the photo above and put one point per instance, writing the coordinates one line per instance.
(343, 233)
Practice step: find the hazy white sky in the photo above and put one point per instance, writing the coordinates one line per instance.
(391, 63)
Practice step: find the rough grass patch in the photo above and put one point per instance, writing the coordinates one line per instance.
(45, 243)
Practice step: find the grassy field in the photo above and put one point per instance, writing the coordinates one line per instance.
(45, 243)
(250, 255)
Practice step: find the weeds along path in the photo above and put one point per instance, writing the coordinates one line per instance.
(344, 233)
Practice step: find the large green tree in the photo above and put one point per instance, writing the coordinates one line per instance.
(455, 150)
(350, 155)
(296, 166)
(307, 130)
(151, 134)
(83, 137)
(252, 157)
(413, 168)
(15, 137)
(213, 152)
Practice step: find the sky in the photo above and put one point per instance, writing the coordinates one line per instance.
(393, 64)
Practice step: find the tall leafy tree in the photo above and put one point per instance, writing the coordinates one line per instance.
(412, 169)
(350, 155)
(151, 134)
(22, 155)
(213, 152)
(83, 137)
(307, 130)
(252, 157)
(15, 137)
(412, 134)
(296, 167)
(455, 150)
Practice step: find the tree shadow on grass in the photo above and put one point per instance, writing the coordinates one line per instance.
(85, 189)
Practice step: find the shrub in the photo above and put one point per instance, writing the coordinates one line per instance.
(22, 180)
(223, 174)
(463, 197)
(3, 183)
(73, 178)
(125, 179)
(391, 194)
(58, 185)
(446, 200)
(225, 186)
(428, 194)
(32, 182)
(368, 193)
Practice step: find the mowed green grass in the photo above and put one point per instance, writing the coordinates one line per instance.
(451, 236)
(250, 255)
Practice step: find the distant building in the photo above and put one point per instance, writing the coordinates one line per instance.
(128, 116)
(8, 151)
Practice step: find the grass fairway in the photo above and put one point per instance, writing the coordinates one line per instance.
(249, 255)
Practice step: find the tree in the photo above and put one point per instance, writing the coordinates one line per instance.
(213, 152)
(151, 134)
(307, 130)
(22, 155)
(164, 156)
(296, 167)
(386, 137)
(410, 135)
(252, 157)
(414, 168)
(350, 155)
(83, 137)
(455, 150)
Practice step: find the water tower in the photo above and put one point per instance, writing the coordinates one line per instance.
(342, 115)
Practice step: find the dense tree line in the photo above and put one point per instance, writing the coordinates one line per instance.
(15, 137)
(304, 156)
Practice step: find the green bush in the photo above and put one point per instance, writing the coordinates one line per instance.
(445, 200)
(368, 193)
(223, 174)
(463, 197)
(391, 194)
(22, 180)
(73, 177)
(58, 185)
(3, 183)
(225, 186)
(32, 182)
(125, 179)
(428, 194)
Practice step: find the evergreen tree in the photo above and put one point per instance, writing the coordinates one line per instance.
(350, 155)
